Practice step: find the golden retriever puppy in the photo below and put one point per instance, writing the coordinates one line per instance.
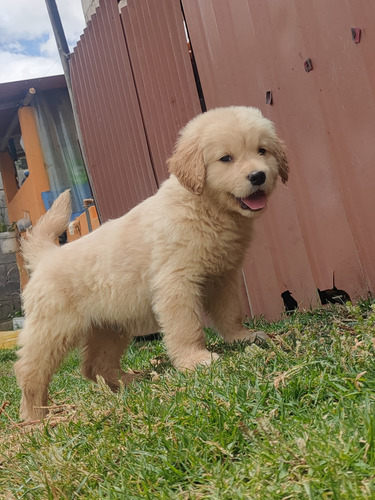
(172, 259)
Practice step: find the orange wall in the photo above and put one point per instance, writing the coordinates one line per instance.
(28, 198)
(80, 224)
(25, 201)
(8, 177)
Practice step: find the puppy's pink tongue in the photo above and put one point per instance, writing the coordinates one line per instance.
(256, 201)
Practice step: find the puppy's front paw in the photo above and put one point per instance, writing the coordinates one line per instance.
(248, 336)
(191, 361)
(254, 336)
(128, 378)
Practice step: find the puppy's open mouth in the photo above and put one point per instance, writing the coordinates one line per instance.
(256, 201)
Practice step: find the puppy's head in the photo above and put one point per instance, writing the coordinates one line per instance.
(232, 155)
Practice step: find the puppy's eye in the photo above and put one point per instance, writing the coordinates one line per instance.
(261, 151)
(226, 159)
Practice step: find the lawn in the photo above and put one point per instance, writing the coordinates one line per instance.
(292, 419)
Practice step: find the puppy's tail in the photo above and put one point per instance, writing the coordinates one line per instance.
(42, 237)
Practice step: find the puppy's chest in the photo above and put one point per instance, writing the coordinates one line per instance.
(222, 253)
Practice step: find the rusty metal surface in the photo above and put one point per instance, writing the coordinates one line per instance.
(162, 70)
(323, 222)
(134, 92)
(109, 114)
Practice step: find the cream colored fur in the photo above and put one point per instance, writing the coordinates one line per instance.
(173, 258)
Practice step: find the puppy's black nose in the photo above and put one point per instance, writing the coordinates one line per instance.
(257, 178)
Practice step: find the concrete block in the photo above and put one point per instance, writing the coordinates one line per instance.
(13, 275)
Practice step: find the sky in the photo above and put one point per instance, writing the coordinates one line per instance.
(27, 44)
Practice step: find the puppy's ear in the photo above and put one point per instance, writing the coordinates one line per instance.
(187, 164)
(282, 162)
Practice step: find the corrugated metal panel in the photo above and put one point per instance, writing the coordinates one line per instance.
(163, 74)
(322, 223)
(131, 109)
(109, 114)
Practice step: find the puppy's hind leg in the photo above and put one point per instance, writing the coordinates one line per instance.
(224, 306)
(101, 354)
(43, 349)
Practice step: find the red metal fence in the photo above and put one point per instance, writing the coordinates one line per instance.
(135, 87)
(132, 80)
(322, 224)
(111, 121)
(166, 89)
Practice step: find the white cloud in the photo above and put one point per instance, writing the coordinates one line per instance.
(27, 45)
(49, 47)
(15, 47)
(22, 19)
(72, 19)
(15, 67)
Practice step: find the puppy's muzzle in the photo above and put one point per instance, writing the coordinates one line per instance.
(257, 178)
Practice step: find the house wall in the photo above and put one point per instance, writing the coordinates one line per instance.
(10, 301)
(27, 199)
(89, 8)
(9, 277)
(46, 144)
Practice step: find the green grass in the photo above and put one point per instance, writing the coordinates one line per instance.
(293, 419)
